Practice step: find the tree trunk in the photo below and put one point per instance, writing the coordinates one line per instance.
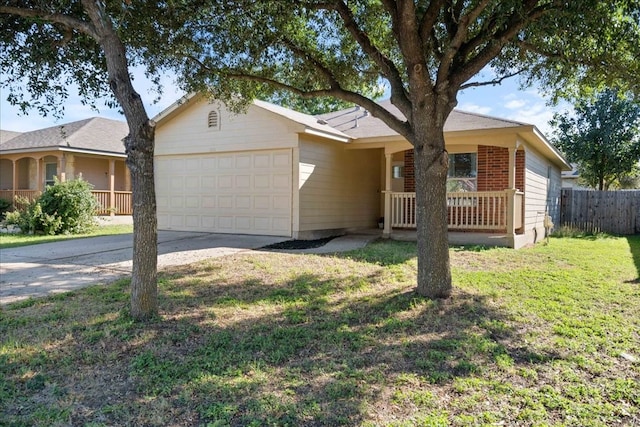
(139, 145)
(431, 165)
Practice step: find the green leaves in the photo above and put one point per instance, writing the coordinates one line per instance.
(602, 137)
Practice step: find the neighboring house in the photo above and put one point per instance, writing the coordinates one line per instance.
(274, 171)
(90, 148)
(570, 178)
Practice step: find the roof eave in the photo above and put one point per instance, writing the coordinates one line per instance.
(63, 149)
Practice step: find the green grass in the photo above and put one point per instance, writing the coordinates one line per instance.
(536, 337)
(15, 240)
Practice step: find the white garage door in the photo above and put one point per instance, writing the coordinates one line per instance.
(247, 192)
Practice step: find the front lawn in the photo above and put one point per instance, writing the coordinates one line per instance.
(15, 240)
(541, 336)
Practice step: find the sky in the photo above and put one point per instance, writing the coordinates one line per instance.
(506, 101)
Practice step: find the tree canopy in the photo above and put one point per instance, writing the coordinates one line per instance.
(602, 136)
(46, 46)
(424, 51)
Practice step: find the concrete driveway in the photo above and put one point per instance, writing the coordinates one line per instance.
(48, 268)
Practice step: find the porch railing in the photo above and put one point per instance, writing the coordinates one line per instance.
(483, 211)
(122, 205)
(27, 194)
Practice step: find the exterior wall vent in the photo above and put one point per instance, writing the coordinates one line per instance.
(213, 120)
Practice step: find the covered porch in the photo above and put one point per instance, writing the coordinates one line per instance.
(485, 201)
(27, 174)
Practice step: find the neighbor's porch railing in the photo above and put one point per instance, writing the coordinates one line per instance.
(122, 203)
(484, 210)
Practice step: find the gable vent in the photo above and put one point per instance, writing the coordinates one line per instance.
(213, 120)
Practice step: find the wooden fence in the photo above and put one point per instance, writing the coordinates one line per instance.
(615, 212)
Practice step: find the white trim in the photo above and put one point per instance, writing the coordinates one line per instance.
(325, 135)
(63, 149)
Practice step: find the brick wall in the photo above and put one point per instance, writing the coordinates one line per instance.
(493, 169)
(409, 175)
(520, 170)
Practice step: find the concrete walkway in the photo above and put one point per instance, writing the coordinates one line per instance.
(49, 268)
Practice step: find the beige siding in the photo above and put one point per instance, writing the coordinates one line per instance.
(94, 171)
(338, 188)
(188, 131)
(542, 193)
(6, 174)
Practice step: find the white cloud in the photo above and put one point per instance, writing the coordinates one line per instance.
(515, 104)
(474, 108)
(537, 114)
(12, 119)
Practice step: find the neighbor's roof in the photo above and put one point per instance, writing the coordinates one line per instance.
(359, 123)
(6, 135)
(94, 134)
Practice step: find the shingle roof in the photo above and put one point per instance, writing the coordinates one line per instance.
(94, 134)
(359, 123)
(307, 120)
(6, 135)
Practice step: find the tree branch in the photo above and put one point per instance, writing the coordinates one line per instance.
(402, 127)
(328, 75)
(500, 39)
(385, 64)
(56, 18)
(457, 41)
(429, 19)
(493, 82)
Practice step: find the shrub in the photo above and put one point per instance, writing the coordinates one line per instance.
(31, 219)
(5, 205)
(65, 207)
(73, 203)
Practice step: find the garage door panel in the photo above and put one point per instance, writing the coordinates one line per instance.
(247, 192)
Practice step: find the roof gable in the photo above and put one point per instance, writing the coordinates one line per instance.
(309, 122)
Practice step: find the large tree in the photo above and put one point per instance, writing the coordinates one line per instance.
(425, 51)
(48, 46)
(601, 135)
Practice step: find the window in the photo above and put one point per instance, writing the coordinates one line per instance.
(50, 171)
(463, 170)
(213, 120)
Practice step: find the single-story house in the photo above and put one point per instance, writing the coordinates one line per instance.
(274, 171)
(90, 148)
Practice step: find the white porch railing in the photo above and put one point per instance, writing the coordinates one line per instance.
(484, 210)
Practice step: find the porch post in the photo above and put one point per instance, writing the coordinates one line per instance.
(112, 182)
(512, 167)
(15, 180)
(386, 232)
(62, 164)
(39, 180)
(127, 178)
(511, 215)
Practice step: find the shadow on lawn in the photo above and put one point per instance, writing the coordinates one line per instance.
(323, 352)
(318, 359)
(634, 245)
